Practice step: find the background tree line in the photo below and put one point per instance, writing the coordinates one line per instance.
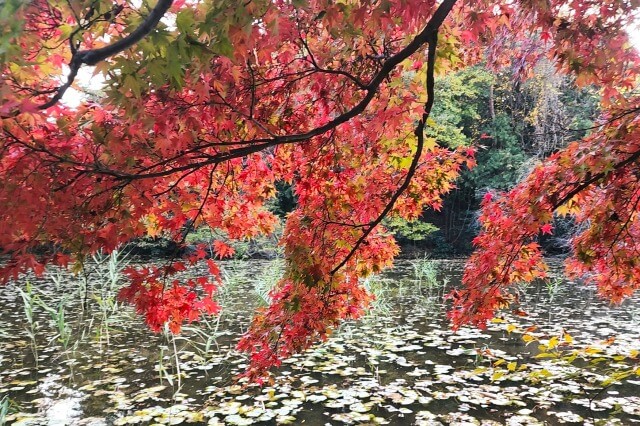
(514, 122)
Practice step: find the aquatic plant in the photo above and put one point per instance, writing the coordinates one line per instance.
(58, 319)
(4, 409)
(164, 374)
(267, 280)
(109, 271)
(379, 289)
(203, 336)
(426, 272)
(29, 300)
(170, 339)
(231, 279)
(553, 287)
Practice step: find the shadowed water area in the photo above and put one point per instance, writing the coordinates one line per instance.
(71, 355)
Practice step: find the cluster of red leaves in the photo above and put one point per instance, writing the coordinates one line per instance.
(165, 300)
(298, 316)
(597, 183)
(168, 302)
(334, 207)
(593, 180)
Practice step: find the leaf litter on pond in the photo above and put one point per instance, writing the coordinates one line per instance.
(401, 366)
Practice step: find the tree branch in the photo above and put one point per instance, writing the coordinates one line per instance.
(263, 143)
(593, 179)
(93, 56)
(419, 132)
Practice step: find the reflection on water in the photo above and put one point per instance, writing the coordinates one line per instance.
(399, 365)
(59, 405)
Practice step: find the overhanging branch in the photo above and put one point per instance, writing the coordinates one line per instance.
(264, 143)
(419, 132)
(94, 56)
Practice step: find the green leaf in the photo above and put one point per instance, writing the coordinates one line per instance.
(223, 47)
(185, 20)
(131, 84)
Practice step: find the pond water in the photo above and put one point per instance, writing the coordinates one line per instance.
(70, 355)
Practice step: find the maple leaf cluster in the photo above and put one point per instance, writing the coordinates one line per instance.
(595, 181)
(207, 105)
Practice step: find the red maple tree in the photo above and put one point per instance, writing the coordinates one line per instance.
(207, 105)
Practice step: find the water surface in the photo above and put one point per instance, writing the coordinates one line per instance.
(401, 364)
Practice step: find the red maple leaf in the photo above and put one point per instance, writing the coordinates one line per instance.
(222, 249)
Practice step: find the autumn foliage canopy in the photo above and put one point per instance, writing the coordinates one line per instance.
(207, 104)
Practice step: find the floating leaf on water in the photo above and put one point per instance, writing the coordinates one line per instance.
(334, 404)
(255, 411)
(237, 420)
(229, 407)
(442, 369)
(402, 361)
(234, 389)
(359, 407)
(441, 395)
(460, 419)
(461, 351)
(407, 348)
(267, 416)
(497, 375)
(316, 398)
(424, 400)
(426, 418)
(567, 416)
(283, 411)
(291, 402)
(345, 418)
(285, 420)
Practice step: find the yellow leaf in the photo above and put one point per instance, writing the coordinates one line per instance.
(497, 320)
(567, 338)
(499, 362)
(553, 342)
(570, 207)
(430, 144)
(404, 163)
(546, 373)
(153, 228)
(511, 327)
(528, 338)
(512, 366)
(496, 376)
